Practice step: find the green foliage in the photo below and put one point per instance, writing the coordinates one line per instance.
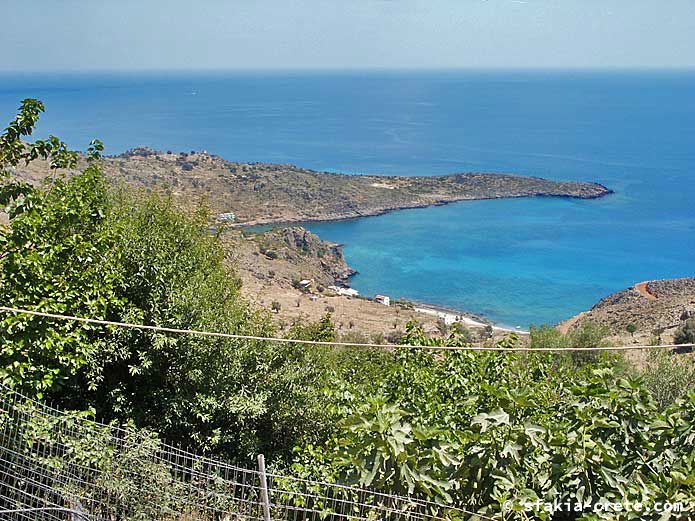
(57, 257)
(479, 429)
(322, 330)
(80, 247)
(586, 335)
(669, 376)
(685, 333)
(52, 258)
(14, 150)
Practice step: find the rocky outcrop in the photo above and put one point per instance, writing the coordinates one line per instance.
(649, 308)
(288, 255)
(300, 242)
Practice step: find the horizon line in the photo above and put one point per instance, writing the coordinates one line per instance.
(333, 70)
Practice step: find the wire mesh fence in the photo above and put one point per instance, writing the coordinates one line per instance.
(58, 465)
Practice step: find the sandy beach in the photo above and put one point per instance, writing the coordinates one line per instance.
(467, 319)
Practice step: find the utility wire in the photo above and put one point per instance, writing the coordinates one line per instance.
(332, 343)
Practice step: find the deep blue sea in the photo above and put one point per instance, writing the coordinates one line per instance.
(518, 262)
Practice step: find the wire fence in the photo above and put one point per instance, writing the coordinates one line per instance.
(58, 465)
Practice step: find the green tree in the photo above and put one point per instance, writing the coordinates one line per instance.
(322, 330)
(55, 257)
(78, 246)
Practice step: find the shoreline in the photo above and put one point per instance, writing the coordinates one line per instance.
(466, 318)
(384, 211)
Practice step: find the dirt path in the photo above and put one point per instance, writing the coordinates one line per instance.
(643, 289)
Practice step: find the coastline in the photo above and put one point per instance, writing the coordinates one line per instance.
(248, 195)
(252, 194)
(384, 211)
(449, 315)
(466, 318)
(293, 273)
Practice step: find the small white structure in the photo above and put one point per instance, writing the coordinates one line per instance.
(227, 217)
(346, 292)
(448, 318)
(383, 299)
(305, 283)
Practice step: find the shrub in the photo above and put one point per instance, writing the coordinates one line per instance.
(669, 376)
(586, 335)
(442, 326)
(322, 330)
(685, 333)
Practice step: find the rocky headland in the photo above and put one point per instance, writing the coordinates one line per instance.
(261, 193)
(650, 310)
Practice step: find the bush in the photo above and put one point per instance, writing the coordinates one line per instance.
(668, 376)
(462, 332)
(685, 333)
(56, 256)
(586, 335)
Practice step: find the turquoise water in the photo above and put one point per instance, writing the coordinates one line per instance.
(516, 261)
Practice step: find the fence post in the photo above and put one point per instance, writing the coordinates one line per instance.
(264, 488)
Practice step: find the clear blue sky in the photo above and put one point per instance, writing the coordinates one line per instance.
(273, 34)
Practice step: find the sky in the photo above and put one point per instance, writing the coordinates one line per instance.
(41, 35)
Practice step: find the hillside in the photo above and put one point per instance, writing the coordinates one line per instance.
(654, 308)
(258, 193)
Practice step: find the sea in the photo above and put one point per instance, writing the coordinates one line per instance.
(516, 262)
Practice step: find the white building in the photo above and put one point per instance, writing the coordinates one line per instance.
(383, 299)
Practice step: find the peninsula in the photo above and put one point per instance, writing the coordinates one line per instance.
(262, 193)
